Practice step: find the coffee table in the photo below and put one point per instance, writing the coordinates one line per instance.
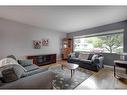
(71, 67)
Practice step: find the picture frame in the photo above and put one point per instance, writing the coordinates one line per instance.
(45, 42)
(36, 44)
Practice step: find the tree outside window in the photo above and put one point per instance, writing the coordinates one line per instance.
(112, 43)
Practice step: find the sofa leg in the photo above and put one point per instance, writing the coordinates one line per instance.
(102, 66)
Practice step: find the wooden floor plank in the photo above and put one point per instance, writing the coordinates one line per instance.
(104, 79)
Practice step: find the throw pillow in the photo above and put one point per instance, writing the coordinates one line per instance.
(73, 55)
(94, 57)
(25, 63)
(77, 54)
(9, 75)
(8, 63)
(90, 56)
(83, 56)
(19, 70)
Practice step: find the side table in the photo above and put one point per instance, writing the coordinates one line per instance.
(121, 64)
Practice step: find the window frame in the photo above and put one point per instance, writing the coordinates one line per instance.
(120, 31)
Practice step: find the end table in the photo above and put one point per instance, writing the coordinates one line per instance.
(121, 64)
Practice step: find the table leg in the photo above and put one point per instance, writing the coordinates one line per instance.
(62, 67)
(71, 73)
(126, 70)
(114, 71)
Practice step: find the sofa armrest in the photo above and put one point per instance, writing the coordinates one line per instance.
(69, 57)
(99, 61)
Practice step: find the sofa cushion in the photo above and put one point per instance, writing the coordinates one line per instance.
(25, 62)
(85, 61)
(90, 56)
(35, 71)
(83, 56)
(76, 54)
(75, 59)
(19, 70)
(31, 67)
(9, 75)
(94, 57)
(73, 55)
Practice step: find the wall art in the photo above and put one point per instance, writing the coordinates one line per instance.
(37, 44)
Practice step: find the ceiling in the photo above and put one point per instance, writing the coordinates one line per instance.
(65, 18)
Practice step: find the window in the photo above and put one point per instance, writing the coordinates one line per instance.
(107, 43)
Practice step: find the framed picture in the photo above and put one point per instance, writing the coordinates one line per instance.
(45, 42)
(36, 44)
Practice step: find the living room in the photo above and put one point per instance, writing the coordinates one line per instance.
(72, 47)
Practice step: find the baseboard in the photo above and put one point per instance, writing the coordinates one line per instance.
(108, 66)
(112, 67)
(58, 59)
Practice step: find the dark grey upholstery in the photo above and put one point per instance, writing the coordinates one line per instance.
(25, 63)
(34, 77)
(94, 65)
(31, 67)
(36, 71)
(9, 75)
(41, 80)
(1, 82)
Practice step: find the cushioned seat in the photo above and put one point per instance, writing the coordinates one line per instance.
(75, 59)
(31, 67)
(86, 61)
(36, 71)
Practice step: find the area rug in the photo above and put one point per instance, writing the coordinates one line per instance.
(63, 78)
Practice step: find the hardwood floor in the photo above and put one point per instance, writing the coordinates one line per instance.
(104, 79)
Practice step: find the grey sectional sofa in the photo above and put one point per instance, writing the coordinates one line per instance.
(42, 80)
(30, 76)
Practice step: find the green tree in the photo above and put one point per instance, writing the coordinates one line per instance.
(96, 41)
(112, 42)
(109, 42)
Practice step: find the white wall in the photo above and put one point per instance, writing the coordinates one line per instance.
(16, 39)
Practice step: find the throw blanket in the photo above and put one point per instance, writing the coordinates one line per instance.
(7, 63)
